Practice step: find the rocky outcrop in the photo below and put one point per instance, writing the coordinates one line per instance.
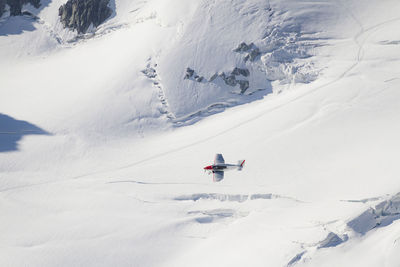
(229, 79)
(16, 6)
(243, 47)
(80, 14)
(191, 75)
(252, 52)
(2, 7)
(243, 72)
(232, 81)
(151, 73)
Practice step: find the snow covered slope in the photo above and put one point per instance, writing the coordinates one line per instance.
(95, 170)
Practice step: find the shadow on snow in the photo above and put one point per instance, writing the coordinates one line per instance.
(13, 25)
(12, 131)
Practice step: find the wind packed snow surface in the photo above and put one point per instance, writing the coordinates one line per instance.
(103, 135)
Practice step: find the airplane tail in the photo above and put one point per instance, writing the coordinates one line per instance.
(240, 164)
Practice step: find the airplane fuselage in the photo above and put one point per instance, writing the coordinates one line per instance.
(221, 167)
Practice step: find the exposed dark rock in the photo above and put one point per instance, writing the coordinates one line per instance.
(244, 85)
(253, 55)
(27, 13)
(252, 51)
(243, 47)
(16, 6)
(150, 72)
(189, 73)
(200, 79)
(80, 14)
(2, 7)
(213, 77)
(238, 71)
(230, 80)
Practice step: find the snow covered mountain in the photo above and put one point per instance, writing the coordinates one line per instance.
(106, 121)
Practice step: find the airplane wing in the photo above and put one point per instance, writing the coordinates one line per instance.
(219, 159)
(218, 176)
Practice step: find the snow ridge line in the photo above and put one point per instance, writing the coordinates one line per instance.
(380, 215)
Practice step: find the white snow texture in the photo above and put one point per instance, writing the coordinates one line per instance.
(104, 135)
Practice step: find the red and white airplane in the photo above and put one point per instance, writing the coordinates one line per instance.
(219, 167)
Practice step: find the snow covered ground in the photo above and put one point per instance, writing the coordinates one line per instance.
(103, 141)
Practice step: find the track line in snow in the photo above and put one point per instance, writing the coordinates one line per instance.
(392, 79)
(151, 183)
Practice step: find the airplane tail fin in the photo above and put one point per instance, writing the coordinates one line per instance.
(241, 164)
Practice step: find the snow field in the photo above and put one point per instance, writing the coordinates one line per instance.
(117, 183)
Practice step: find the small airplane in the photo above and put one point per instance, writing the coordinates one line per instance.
(220, 166)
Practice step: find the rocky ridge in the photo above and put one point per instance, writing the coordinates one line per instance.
(229, 79)
(2, 7)
(15, 6)
(79, 15)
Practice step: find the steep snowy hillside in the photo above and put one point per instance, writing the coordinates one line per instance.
(104, 134)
